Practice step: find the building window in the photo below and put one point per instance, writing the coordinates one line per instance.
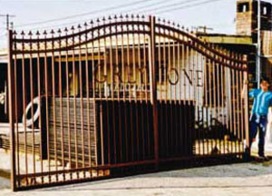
(243, 7)
(214, 90)
(264, 10)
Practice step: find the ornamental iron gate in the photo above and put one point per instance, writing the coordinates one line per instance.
(120, 96)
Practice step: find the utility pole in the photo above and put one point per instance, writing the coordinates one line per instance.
(258, 59)
(7, 16)
(9, 25)
(204, 29)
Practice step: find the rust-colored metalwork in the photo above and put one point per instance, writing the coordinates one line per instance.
(121, 95)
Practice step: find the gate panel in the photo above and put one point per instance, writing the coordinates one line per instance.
(200, 84)
(118, 96)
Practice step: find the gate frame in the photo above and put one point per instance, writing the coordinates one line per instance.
(153, 84)
(11, 110)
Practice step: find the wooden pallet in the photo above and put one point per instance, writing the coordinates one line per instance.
(72, 136)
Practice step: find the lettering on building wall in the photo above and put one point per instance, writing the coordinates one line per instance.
(133, 75)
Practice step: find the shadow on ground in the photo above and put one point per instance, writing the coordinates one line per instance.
(244, 175)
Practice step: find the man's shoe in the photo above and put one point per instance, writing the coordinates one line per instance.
(263, 158)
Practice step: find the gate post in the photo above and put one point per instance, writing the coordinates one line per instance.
(153, 89)
(11, 110)
(246, 106)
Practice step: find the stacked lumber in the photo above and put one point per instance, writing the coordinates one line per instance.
(72, 136)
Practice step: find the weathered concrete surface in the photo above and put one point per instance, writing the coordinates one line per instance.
(4, 183)
(238, 179)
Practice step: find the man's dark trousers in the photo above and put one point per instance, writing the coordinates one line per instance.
(258, 122)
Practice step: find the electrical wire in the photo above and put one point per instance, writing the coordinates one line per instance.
(87, 13)
(71, 23)
(188, 6)
(106, 9)
(161, 9)
(170, 5)
(150, 5)
(121, 7)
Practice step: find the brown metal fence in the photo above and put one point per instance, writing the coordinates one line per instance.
(117, 96)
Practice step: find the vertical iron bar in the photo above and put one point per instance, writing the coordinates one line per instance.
(154, 87)
(98, 86)
(147, 91)
(228, 90)
(127, 98)
(67, 73)
(117, 64)
(139, 92)
(40, 101)
(246, 117)
(169, 97)
(223, 104)
(218, 104)
(232, 98)
(11, 110)
(89, 128)
(96, 107)
(210, 103)
(46, 66)
(24, 107)
(179, 97)
(196, 94)
(107, 96)
(199, 83)
(75, 91)
(95, 116)
(134, 91)
(235, 109)
(241, 82)
(214, 101)
(81, 107)
(161, 83)
(238, 110)
(112, 68)
(53, 85)
(188, 92)
(183, 93)
(60, 95)
(166, 57)
(17, 140)
(16, 128)
(122, 92)
(130, 67)
(175, 105)
(31, 80)
(205, 105)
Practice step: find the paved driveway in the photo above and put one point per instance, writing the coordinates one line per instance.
(237, 179)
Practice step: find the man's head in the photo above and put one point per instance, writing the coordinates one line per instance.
(264, 84)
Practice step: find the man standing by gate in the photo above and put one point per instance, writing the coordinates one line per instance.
(259, 115)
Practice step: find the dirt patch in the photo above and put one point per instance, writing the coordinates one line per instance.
(4, 174)
(4, 179)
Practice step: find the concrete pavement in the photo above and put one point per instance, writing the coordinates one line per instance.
(237, 179)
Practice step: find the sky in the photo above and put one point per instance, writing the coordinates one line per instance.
(35, 14)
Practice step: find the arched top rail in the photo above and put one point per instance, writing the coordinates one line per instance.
(118, 26)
